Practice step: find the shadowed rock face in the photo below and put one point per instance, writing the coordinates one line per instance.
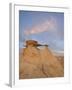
(38, 63)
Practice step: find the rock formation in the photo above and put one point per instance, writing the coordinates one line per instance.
(38, 63)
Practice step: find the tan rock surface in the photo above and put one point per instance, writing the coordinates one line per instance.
(39, 63)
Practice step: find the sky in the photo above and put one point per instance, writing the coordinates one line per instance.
(44, 27)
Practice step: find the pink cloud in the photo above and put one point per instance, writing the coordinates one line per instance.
(47, 25)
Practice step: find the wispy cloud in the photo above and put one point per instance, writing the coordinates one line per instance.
(47, 25)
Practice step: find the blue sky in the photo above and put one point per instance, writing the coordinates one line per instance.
(45, 27)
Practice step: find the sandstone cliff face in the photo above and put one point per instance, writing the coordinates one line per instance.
(51, 65)
(39, 63)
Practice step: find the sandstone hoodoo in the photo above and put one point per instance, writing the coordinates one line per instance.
(37, 62)
(33, 43)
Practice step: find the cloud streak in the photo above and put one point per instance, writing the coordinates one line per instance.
(48, 25)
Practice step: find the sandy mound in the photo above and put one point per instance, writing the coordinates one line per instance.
(38, 63)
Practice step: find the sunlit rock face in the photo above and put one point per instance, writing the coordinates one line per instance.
(31, 43)
(37, 62)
